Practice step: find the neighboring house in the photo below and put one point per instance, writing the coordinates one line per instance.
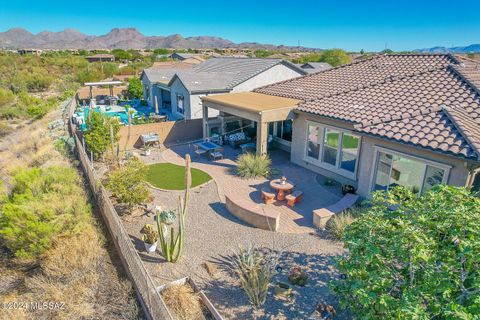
(410, 120)
(179, 91)
(101, 57)
(187, 57)
(312, 67)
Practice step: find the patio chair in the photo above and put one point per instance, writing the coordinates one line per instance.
(268, 197)
(199, 151)
(216, 154)
(294, 198)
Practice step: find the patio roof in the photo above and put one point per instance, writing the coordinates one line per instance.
(252, 105)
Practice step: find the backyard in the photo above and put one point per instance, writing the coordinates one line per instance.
(212, 235)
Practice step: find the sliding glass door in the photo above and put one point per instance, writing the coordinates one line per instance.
(397, 170)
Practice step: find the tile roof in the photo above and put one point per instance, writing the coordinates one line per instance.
(431, 101)
(312, 67)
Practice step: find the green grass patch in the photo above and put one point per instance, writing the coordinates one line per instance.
(172, 177)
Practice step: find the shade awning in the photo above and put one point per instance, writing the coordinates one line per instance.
(252, 105)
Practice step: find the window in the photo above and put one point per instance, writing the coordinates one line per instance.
(350, 146)
(396, 170)
(330, 146)
(180, 106)
(336, 149)
(313, 147)
(284, 130)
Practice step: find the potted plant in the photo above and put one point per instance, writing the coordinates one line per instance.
(298, 276)
(150, 238)
(283, 289)
(146, 150)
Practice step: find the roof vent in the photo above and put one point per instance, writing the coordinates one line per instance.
(196, 82)
(298, 89)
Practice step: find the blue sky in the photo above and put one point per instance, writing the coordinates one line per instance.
(352, 25)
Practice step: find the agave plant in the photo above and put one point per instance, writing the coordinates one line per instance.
(171, 246)
(255, 270)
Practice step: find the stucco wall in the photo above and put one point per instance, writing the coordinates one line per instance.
(177, 88)
(275, 74)
(169, 132)
(458, 173)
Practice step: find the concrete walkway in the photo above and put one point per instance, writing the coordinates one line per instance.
(296, 220)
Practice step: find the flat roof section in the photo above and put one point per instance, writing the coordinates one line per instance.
(251, 101)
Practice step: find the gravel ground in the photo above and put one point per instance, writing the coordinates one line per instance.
(213, 233)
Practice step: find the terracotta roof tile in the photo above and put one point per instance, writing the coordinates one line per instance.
(427, 100)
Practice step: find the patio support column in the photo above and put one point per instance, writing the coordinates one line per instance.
(262, 137)
(205, 121)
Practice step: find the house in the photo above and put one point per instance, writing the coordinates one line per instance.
(179, 90)
(187, 57)
(312, 67)
(101, 57)
(410, 120)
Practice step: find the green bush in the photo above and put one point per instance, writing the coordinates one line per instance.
(127, 183)
(42, 205)
(135, 88)
(98, 135)
(253, 166)
(414, 257)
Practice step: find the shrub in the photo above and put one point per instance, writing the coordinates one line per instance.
(98, 135)
(413, 256)
(183, 301)
(42, 205)
(253, 166)
(127, 183)
(135, 88)
(6, 97)
(337, 224)
(255, 270)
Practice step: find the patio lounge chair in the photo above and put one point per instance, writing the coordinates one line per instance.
(294, 198)
(268, 197)
(216, 154)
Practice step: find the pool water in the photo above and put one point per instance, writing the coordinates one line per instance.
(139, 111)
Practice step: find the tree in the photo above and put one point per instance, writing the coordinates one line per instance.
(135, 88)
(127, 183)
(414, 257)
(98, 136)
(335, 57)
(261, 53)
(161, 51)
(121, 54)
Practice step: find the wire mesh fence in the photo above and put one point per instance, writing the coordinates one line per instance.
(152, 303)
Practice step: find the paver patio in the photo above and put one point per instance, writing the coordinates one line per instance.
(292, 220)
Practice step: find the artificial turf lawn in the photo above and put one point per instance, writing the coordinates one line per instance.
(172, 177)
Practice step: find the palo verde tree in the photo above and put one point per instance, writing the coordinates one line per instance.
(414, 257)
(102, 133)
(335, 57)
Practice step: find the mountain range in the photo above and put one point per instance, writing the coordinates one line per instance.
(123, 38)
(473, 48)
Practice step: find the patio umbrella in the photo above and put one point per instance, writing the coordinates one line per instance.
(156, 105)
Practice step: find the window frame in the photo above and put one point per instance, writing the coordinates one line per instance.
(278, 125)
(183, 104)
(321, 137)
(427, 162)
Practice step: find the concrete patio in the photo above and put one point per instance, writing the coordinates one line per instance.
(292, 220)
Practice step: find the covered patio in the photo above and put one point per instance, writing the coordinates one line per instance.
(251, 109)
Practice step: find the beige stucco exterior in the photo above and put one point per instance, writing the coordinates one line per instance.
(459, 169)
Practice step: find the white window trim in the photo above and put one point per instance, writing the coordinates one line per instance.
(176, 105)
(428, 162)
(321, 137)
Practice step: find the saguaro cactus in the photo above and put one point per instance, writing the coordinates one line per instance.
(171, 247)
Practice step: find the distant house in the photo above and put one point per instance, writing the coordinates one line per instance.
(101, 57)
(30, 51)
(389, 120)
(312, 67)
(187, 57)
(178, 91)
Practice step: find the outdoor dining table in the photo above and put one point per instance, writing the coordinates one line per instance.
(281, 188)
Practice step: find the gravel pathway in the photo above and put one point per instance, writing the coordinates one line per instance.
(213, 233)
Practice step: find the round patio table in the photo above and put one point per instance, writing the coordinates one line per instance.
(281, 188)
